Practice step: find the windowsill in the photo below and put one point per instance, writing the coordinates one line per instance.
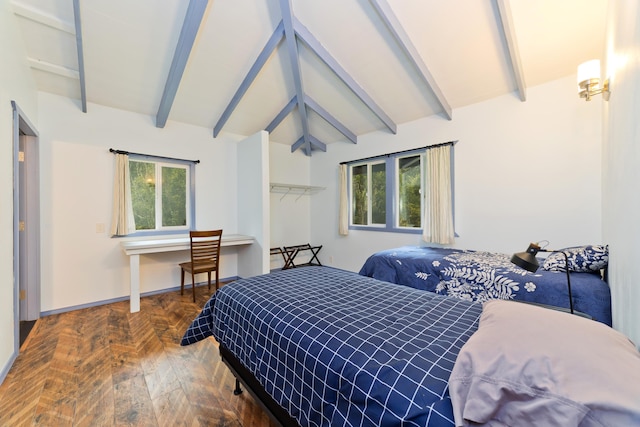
(391, 230)
(155, 233)
(387, 230)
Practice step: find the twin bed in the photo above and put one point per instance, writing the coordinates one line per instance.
(483, 276)
(325, 347)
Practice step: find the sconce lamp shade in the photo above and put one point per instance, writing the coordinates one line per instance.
(527, 259)
(589, 81)
(589, 70)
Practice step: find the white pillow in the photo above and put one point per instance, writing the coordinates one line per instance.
(528, 365)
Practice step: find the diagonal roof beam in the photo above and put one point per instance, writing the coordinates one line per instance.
(306, 148)
(508, 28)
(307, 38)
(268, 49)
(282, 114)
(317, 144)
(78, 25)
(294, 59)
(188, 33)
(330, 119)
(398, 32)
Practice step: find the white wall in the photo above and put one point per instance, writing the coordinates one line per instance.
(289, 213)
(524, 172)
(81, 266)
(16, 83)
(621, 165)
(253, 203)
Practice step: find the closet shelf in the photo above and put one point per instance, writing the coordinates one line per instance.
(294, 189)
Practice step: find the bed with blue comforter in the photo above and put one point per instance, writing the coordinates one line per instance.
(482, 276)
(333, 347)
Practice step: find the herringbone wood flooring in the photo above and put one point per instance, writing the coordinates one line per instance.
(104, 366)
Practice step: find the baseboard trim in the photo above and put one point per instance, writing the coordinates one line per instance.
(125, 298)
(6, 368)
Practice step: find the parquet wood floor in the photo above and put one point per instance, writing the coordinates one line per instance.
(104, 366)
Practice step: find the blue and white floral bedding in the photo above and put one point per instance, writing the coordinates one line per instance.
(482, 276)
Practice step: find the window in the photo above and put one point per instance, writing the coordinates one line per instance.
(409, 191)
(386, 193)
(369, 179)
(161, 195)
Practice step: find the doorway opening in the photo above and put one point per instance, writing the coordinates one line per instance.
(26, 218)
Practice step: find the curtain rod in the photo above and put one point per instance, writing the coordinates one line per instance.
(427, 147)
(111, 150)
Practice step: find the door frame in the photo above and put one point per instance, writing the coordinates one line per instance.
(22, 126)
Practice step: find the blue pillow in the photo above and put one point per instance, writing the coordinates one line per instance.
(581, 259)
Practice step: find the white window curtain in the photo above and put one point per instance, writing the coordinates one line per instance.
(438, 212)
(343, 220)
(122, 221)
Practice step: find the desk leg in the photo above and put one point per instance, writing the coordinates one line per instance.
(134, 266)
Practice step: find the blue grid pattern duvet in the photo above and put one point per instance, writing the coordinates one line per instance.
(482, 276)
(335, 348)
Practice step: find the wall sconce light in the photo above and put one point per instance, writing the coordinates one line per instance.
(528, 261)
(589, 81)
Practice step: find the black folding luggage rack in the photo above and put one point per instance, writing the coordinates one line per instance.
(289, 254)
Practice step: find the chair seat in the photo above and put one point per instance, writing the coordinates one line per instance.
(201, 267)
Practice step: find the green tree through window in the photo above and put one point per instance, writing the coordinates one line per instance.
(409, 185)
(143, 194)
(174, 195)
(159, 194)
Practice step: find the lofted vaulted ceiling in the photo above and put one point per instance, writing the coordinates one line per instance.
(310, 72)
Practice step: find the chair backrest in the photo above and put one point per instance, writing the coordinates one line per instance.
(205, 246)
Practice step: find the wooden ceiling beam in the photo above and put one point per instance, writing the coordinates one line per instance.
(404, 41)
(282, 114)
(80, 52)
(508, 29)
(188, 33)
(308, 39)
(266, 52)
(330, 119)
(294, 59)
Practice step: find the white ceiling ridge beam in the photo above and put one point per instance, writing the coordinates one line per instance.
(508, 28)
(294, 59)
(268, 49)
(188, 33)
(282, 114)
(330, 119)
(307, 38)
(80, 51)
(402, 38)
(40, 17)
(53, 68)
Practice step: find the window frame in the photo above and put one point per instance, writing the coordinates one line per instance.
(159, 162)
(392, 191)
(369, 167)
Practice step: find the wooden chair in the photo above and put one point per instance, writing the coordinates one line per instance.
(205, 255)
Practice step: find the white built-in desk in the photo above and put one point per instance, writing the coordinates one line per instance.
(135, 248)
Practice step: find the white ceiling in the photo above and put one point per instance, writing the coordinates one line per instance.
(129, 45)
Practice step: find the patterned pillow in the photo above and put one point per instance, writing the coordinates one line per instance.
(582, 259)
